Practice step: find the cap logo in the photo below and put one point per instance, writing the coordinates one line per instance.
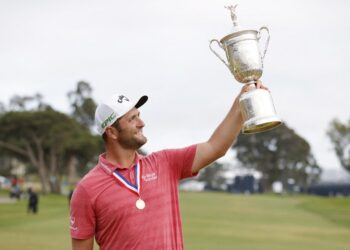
(108, 120)
(121, 98)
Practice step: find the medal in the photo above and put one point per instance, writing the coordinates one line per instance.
(140, 204)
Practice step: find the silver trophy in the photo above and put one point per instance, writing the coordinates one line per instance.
(245, 61)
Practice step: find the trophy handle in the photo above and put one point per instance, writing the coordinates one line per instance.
(215, 53)
(267, 40)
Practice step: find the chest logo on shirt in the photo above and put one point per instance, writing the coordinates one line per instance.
(149, 177)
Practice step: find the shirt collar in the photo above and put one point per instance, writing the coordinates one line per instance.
(110, 167)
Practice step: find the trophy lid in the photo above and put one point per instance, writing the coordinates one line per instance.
(237, 33)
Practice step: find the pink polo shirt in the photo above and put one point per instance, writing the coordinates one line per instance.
(102, 207)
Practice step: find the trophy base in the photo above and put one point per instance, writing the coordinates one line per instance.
(260, 124)
(258, 111)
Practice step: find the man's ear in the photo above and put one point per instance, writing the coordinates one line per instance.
(112, 133)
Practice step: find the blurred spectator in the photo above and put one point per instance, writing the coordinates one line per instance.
(33, 201)
(15, 191)
(14, 181)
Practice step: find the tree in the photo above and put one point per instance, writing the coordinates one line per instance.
(2, 108)
(339, 134)
(83, 106)
(83, 111)
(26, 103)
(279, 154)
(18, 103)
(213, 176)
(46, 139)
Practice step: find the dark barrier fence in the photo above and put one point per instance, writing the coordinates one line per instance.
(330, 189)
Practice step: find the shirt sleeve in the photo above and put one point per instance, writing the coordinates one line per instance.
(82, 215)
(181, 161)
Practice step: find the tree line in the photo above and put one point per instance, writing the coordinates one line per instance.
(53, 144)
(50, 142)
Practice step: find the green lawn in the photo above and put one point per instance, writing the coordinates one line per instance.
(210, 221)
(223, 221)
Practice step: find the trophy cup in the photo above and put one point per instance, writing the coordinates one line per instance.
(245, 62)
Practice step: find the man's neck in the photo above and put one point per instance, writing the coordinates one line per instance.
(123, 157)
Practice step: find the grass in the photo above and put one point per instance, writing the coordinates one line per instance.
(223, 221)
(210, 221)
(46, 230)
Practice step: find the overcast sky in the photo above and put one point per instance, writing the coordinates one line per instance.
(160, 48)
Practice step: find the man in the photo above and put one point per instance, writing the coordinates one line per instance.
(32, 201)
(129, 201)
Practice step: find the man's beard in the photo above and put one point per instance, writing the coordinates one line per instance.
(133, 142)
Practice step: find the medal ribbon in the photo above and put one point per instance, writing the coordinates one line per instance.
(121, 179)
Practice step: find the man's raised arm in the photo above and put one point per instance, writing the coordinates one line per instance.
(223, 136)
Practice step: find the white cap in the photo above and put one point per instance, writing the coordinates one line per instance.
(113, 108)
